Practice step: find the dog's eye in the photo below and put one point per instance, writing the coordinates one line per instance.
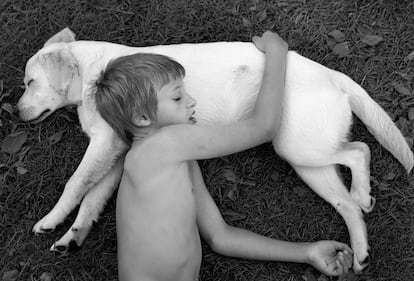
(29, 82)
(177, 99)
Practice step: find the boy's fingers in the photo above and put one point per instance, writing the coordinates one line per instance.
(344, 262)
(339, 268)
(343, 247)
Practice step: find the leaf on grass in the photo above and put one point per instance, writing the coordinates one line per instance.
(229, 175)
(389, 176)
(400, 88)
(21, 170)
(232, 193)
(301, 192)
(7, 107)
(341, 49)
(337, 35)
(410, 57)
(331, 43)
(372, 40)
(10, 275)
(403, 124)
(13, 142)
(406, 76)
(411, 114)
(262, 15)
(55, 138)
(45, 277)
(246, 22)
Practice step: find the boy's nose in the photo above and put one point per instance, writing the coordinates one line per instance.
(191, 102)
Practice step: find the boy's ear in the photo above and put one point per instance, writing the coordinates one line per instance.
(143, 121)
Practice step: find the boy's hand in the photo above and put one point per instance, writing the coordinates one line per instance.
(270, 41)
(330, 257)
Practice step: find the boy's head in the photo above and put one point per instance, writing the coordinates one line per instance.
(126, 91)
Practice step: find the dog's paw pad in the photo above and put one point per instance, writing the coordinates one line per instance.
(371, 205)
(73, 246)
(61, 249)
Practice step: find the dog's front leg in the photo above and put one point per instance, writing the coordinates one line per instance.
(99, 158)
(89, 211)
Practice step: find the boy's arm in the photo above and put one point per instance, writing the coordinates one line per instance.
(189, 142)
(330, 257)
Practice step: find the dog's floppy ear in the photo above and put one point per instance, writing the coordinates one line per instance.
(61, 67)
(65, 35)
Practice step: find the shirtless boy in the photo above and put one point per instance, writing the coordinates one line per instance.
(163, 205)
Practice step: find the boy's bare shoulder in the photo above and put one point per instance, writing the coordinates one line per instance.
(156, 145)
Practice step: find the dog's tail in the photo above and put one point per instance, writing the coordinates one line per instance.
(377, 121)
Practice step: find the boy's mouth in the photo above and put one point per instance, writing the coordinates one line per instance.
(192, 118)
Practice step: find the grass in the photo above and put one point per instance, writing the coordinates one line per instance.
(254, 189)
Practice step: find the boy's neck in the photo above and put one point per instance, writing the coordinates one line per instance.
(143, 132)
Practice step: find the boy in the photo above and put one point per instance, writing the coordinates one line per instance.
(163, 203)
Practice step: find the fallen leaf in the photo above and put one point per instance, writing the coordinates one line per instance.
(331, 43)
(13, 142)
(246, 22)
(301, 192)
(337, 35)
(406, 76)
(232, 193)
(7, 107)
(389, 176)
(55, 138)
(10, 275)
(341, 49)
(21, 170)
(400, 88)
(45, 277)
(262, 15)
(411, 114)
(409, 57)
(229, 175)
(372, 40)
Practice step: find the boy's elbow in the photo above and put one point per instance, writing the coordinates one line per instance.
(217, 241)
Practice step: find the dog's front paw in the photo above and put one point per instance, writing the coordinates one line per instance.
(45, 225)
(361, 262)
(71, 241)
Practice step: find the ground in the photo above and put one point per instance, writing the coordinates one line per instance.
(371, 41)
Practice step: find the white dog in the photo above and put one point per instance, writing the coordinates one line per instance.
(224, 78)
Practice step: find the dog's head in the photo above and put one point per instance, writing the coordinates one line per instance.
(48, 78)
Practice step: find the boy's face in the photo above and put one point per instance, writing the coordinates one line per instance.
(175, 106)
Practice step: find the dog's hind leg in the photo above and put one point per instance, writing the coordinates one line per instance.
(326, 182)
(89, 211)
(356, 156)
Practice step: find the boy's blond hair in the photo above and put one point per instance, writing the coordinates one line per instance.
(127, 90)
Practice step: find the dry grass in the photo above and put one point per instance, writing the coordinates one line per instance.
(264, 194)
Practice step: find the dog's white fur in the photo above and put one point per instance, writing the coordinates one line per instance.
(224, 78)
